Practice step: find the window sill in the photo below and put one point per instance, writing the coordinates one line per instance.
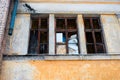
(63, 57)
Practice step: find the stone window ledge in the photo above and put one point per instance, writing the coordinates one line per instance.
(63, 57)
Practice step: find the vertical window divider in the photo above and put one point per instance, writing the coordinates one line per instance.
(66, 32)
(39, 35)
(48, 34)
(93, 33)
(78, 35)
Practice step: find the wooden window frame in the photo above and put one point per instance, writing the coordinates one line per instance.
(66, 33)
(39, 17)
(92, 30)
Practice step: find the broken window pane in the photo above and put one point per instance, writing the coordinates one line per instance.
(72, 37)
(60, 23)
(43, 37)
(89, 37)
(35, 23)
(90, 48)
(71, 23)
(43, 48)
(87, 23)
(66, 37)
(98, 37)
(33, 43)
(96, 24)
(72, 43)
(44, 23)
(73, 48)
(60, 37)
(100, 48)
(61, 49)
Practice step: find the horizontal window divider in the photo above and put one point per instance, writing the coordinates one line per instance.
(100, 43)
(70, 30)
(64, 43)
(65, 17)
(95, 30)
(90, 43)
(60, 30)
(43, 43)
(48, 57)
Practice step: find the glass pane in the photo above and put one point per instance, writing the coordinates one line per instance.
(89, 37)
(61, 49)
(44, 23)
(90, 48)
(71, 23)
(73, 48)
(43, 48)
(35, 23)
(72, 37)
(33, 43)
(43, 37)
(87, 23)
(60, 23)
(96, 24)
(98, 37)
(100, 48)
(60, 37)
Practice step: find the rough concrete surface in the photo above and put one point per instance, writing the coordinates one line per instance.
(17, 44)
(61, 70)
(111, 29)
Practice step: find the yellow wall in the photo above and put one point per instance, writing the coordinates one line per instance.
(61, 70)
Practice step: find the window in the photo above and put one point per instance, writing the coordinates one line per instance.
(66, 36)
(94, 36)
(38, 42)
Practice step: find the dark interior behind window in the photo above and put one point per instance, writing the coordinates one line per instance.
(38, 42)
(94, 37)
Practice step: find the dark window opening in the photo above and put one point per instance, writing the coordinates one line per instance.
(87, 23)
(66, 36)
(90, 48)
(94, 37)
(38, 42)
(89, 37)
(71, 23)
(98, 37)
(96, 24)
(60, 23)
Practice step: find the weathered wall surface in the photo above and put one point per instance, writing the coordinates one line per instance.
(61, 70)
(119, 18)
(4, 6)
(111, 29)
(69, 8)
(17, 44)
(70, 0)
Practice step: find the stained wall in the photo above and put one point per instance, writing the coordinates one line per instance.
(23, 69)
(61, 70)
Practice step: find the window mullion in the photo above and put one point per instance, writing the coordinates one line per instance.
(39, 35)
(93, 34)
(52, 35)
(66, 33)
